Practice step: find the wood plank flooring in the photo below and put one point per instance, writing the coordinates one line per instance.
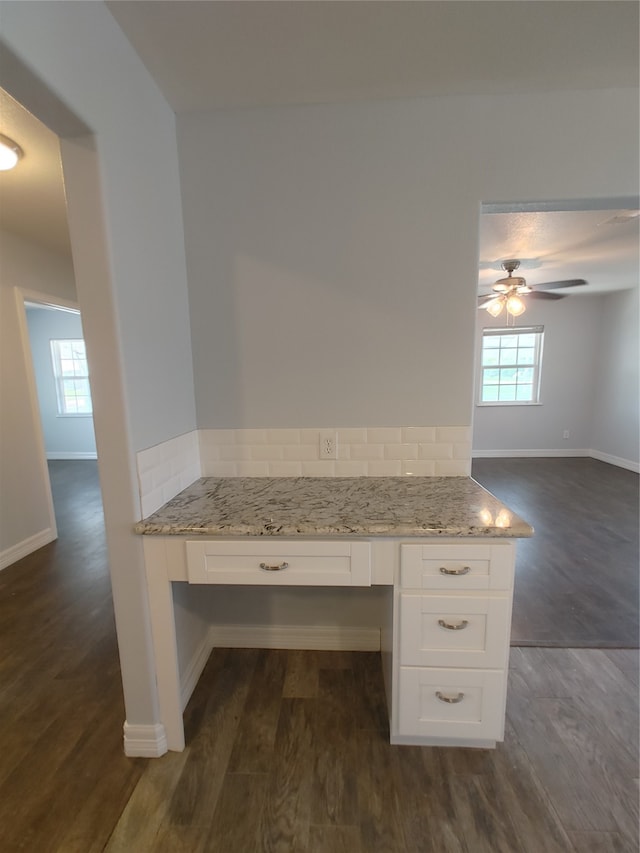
(309, 773)
(287, 750)
(577, 578)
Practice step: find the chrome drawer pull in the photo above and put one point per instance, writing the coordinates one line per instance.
(452, 700)
(451, 626)
(463, 571)
(277, 568)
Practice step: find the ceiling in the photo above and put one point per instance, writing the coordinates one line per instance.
(32, 202)
(208, 55)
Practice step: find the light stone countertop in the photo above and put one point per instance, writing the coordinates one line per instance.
(336, 506)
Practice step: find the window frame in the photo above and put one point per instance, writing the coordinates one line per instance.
(496, 331)
(59, 378)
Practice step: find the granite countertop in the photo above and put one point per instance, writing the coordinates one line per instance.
(335, 506)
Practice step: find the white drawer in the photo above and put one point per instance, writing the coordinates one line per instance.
(279, 563)
(457, 567)
(454, 630)
(452, 703)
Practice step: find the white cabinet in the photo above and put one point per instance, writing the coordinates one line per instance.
(453, 621)
(444, 637)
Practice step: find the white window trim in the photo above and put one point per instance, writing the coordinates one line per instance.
(58, 378)
(511, 330)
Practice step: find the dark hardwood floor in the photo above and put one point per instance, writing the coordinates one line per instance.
(577, 578)
(287, 750)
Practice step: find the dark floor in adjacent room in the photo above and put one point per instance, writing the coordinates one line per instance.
(577, 578)
(288, 750)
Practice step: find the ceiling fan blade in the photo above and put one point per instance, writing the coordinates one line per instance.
(483, 301)
(541, 294)
(555, 285)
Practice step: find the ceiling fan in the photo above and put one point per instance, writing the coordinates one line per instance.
(507, 291)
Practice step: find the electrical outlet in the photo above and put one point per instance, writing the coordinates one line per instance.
(566, 433)
(328, 444)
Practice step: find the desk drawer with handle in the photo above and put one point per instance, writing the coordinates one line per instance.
(457, 567)
(279, 563)
(452, 631)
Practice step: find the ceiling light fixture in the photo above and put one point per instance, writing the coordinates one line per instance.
(514, 305)
(10, 153)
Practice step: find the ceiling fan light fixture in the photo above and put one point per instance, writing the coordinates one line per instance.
(10, 153)
(515, 305)
(495, 307)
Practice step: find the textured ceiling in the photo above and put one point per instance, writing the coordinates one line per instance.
(600, 246)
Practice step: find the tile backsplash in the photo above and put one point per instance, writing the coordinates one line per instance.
(360, 452)
(167, 468)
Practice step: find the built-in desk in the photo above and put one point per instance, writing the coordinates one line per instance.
(442, 547)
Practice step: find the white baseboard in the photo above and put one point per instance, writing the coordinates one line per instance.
(144, 741)
(516, 454)
(27, 546)
(593, 454)
(615, 460)
(326, 637)
(194, 670)
(70, 454)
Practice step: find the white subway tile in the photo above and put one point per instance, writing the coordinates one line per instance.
(285, 469)
(401, 451)
(462, 450)
(321, 468)
(170, 488)
(151, 502)
(235, 452)
(384, 469)
(145, 482)
(252, 469)
(343, 451)
(301, 452)
(208, 454)
(219, 436)
(418, 467)
(435, 451)
(352, 435)
(384, 435)
(351, 469)
(266, 452)
(418, 435)
(221, 469)
(453, 433)
(452, 468)
(366, 451)
(310, 436)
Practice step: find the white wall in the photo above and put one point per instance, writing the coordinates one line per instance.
(589, 383)
(616, 402)
(332, 250)
(128, 249)
(25, 511)
(70, 437)
(569, 359)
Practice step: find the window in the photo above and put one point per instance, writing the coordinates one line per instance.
(510, 365)
(71, 373)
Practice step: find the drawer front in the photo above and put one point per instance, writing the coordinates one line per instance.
(279, 563)
(454, 631)
(452, 703)
(457, 567)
